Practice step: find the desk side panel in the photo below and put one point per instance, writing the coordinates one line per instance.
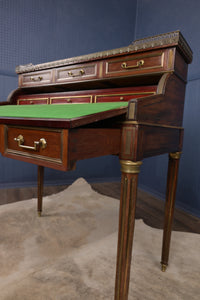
(141, 141)
(93, 142)
(165, 108)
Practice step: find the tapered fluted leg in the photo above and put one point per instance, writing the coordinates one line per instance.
(174, 159)
(129, 183)
(40, 188)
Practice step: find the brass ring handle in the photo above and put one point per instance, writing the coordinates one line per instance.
(80, 73)
(138, 64)
(39, 78)
(41, 143)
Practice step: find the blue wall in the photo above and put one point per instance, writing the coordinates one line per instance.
(155, 17)
(44, 30)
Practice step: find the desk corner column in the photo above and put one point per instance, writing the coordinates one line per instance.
(129, 183)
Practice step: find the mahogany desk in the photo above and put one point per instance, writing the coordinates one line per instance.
(127, 102)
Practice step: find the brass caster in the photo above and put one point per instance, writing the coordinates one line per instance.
(163, 267)
(39, 213)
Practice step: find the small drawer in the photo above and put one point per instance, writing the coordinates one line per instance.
(35, 78)
(134, 64)
(71, 99)
(76, 73)
(31, 101)
(120, 97)
(39, 146)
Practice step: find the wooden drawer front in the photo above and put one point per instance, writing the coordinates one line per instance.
(49, 154)
(35, 78)
(71, 99)
(76, 73)
(31, 101)
(134, 64)
(120, 97)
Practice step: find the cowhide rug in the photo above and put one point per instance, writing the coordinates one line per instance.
(70, 252)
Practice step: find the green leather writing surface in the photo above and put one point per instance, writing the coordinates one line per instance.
(58, 111)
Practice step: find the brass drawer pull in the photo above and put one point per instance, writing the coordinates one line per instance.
(39, 78)
(41, 143)
(138, 64)
(80, 73)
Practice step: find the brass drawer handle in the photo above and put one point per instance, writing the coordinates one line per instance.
(138, 64)
(80, 73)
(41, 143)
(39, 78)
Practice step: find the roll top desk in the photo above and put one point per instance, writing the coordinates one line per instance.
(127, 102)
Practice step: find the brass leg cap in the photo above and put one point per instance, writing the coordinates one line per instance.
(163, 267)
(39, 213)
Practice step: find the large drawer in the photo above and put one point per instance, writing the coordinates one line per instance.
(76, 73)
(149, 62)
(36, 78)
(40, 146)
